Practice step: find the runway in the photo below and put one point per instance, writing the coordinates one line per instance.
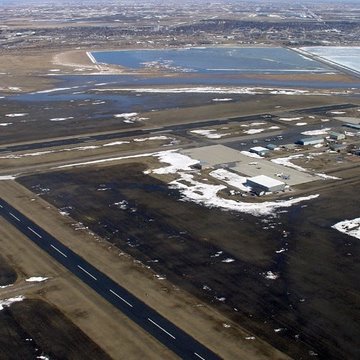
(156, 325)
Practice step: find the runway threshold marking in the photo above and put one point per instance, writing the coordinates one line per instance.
(161, 328)
(86, 272)
(59, 251)
(32, 230)
(15, 217)
(121, 298)
(200, 357)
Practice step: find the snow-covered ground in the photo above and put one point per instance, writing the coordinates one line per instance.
(349, 227)
(62, 118)
(7, 177)
(7, 302)
(130, 117)
(16, 115)
(316, 132)
(291, 119)
(209, 133)
(152, 138)
(253, 131)
(230, 178)
(222, 99)
(286, 161)
(36, 279)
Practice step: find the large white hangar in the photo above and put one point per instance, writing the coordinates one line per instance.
(262, 183)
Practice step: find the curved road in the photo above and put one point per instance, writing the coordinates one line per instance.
(162, 329)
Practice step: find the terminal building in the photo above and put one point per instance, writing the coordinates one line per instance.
(262, 184)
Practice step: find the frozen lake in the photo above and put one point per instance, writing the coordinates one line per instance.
(344, 56)
(214, 60)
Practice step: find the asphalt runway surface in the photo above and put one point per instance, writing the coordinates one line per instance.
(148, 319)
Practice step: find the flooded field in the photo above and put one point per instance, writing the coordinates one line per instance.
(290, 279)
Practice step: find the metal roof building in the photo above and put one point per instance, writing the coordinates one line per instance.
(313, 140)
(259, 150)
(263, 183)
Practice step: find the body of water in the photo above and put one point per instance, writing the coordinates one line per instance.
(214, 60)
(343, 56)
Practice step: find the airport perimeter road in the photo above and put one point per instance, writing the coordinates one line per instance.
(163, 330)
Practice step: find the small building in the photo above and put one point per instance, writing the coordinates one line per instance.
(338, 147)
(259, 150)
(313, 140)
(352, 126)
(336, 135)
(271, 146)
(262, 184)
(288, 146)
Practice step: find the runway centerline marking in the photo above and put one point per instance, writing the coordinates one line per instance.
(161, 328)
(32, 230)
(86, 272)
(15, 217)
(126, 302)
(59, 251)
(200, 357)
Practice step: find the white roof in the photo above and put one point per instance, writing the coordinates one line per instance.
(259, 148)
(266, 181)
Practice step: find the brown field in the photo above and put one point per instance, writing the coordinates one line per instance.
(180, 240)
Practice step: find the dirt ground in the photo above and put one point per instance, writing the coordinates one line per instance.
(34, 327)
(7, 274)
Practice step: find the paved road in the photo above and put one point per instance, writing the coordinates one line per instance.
(163, 330)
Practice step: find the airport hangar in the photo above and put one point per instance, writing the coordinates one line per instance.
(220, 156)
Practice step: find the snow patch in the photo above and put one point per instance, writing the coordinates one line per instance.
(36, 279)
(7, 177)
(269, 275)
(349, 227)
(231, 179)
(62, 119)
(222, 100)
(115, 143)
(209, 133)
(152, 138)
(16, 115)
(253, 131)
(10, 301)
(316, 132)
